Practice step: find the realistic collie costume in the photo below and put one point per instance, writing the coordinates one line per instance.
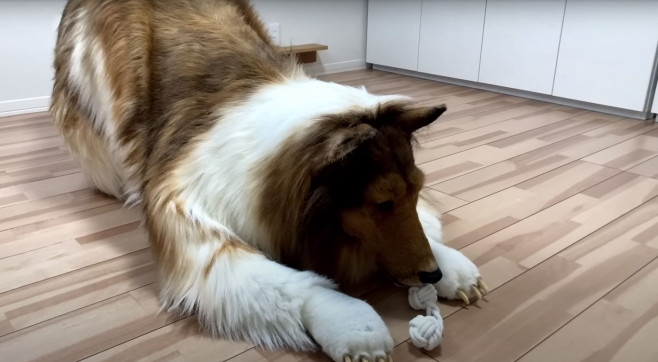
(260, 186)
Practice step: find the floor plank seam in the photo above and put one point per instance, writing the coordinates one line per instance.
(519, 155)
(73, 271)
(497, 122)
(525, 153)
(117, 202)
(176, 320)
(545, 207)
(547, 260)
(588, 307)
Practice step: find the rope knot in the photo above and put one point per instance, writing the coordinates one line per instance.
(425, 331)
(423, 297)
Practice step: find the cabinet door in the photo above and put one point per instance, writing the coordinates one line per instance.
(607, 52)
(451, 38)
(393, 27)
(520, 43)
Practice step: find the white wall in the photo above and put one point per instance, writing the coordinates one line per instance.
(339, 24)
(28, 32)
(27, 38)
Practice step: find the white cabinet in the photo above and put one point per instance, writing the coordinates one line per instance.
(654, 109)
(520, 43)
(393, 33)
(451, 38)
(594, 51)
(607, 52)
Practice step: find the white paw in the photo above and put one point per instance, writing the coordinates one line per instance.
(359, 340)
(461, 278)
(348, 329)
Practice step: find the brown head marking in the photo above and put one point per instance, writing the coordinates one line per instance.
(355, 213)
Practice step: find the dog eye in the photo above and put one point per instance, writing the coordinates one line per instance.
(386, 206)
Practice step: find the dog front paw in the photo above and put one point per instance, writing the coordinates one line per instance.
(347, 329)
(365, 342)
(461, 278)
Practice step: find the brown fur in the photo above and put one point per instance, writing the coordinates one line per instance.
(124, 32)
(82, 140)
(197, 54)
(338, 196)
(229, 247)
(216, 61)
(170, 65)
(327, 218)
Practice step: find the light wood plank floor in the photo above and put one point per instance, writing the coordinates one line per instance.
(558, 207)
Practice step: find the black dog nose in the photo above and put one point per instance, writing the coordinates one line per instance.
(430, 277)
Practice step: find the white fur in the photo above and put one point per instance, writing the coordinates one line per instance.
(344, 325)
(221, 177)
(459, 273)
(95, 94)
(244, 295)
(247, 296)
(91, 83)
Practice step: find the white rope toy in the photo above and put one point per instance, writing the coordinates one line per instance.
(426, 331)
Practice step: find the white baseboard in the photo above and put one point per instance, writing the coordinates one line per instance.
(329, 68)
(23, 111)
(524, 94)
(23, 106)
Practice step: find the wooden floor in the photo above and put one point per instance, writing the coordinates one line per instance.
(556, 205)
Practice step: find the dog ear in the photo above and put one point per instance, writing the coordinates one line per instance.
(344, 141)
(415, 118)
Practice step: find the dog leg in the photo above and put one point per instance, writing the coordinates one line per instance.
(461, 278)
(240, 294)
(348, 329)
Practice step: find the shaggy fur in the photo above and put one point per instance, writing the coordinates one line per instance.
(258, 183)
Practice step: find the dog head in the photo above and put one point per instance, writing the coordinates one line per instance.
(367, 181)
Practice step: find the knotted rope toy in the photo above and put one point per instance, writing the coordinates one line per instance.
(426, 331)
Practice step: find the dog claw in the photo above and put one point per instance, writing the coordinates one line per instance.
(388, 358)
(483, 286)
(476, 291)
(463, 296)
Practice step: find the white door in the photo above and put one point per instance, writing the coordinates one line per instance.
(520, 43)
(451, 38)
(607, 52)
(393, 27)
